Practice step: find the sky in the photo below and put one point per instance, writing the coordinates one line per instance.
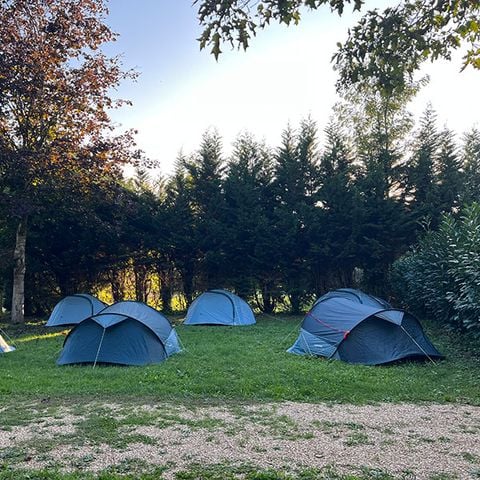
(284, 76)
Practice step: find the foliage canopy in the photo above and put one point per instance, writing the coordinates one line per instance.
(385, 47)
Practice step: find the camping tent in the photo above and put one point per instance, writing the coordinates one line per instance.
(73, 309)
(356, 296)
(4, 346)
(125, 333)
(352, 326)
(219, 307)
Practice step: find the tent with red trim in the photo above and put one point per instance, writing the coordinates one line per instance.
(355, 327)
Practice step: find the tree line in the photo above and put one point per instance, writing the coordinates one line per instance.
(277, 225)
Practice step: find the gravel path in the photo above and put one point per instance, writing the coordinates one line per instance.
(425, 440)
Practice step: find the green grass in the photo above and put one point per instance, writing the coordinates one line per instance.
(240, 364)
(220, 365)
(211, 472)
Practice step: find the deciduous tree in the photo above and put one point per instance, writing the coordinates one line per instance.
(385, 47)
(55, 86)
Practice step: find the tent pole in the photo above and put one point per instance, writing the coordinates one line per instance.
(419, 346)
(181, 343)
(99, 346)
(289, 334)
(306, 343)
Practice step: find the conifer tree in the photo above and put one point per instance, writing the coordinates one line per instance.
(295, 187)
(180, 219)
(251, 250)
(471, 164)
(422, 181)
(205, 170)
(450, 176)
(332, 233)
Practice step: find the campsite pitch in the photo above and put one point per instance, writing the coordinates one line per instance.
(241, 364)
(235, 405)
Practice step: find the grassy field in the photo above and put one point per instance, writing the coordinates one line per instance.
(234, 366)
(240, 364)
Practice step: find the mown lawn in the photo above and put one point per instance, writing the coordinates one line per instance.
(219, 365)
(240, 364)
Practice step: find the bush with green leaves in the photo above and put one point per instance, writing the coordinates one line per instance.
(441, 276)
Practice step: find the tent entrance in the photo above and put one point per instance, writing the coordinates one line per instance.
(376, 341)
(126, 343)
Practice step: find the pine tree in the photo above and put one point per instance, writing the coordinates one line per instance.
(422, 181)
(295, 187)
(471, 164)
(377, 124)
(450, 175)
(332, 233)
(183, 250)
(251, 235)
(205, 170)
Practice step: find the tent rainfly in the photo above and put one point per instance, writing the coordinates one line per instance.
(352, 326)
(219, 307)
(125, 333)
(73, 309)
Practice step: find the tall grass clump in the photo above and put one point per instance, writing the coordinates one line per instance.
(441, 276)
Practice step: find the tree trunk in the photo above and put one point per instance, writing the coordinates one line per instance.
(267, 302)
(295, 303)
(117, 282)
(166, 288)
(19, 267)
(187, 280)
(141, 280)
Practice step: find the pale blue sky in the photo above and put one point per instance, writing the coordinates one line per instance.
(284, 76)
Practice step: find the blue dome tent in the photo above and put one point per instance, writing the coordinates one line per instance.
(356, 296)
(125, 333)
(219, 307)
(73, 309)
(352, 326)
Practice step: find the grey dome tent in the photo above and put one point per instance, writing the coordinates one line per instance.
(73, 309)
(125, 333)
(352, 326)
(219, 307)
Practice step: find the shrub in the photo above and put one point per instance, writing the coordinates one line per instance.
(441, 276)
